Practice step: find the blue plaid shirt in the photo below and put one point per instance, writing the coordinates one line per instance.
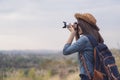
(84, 47)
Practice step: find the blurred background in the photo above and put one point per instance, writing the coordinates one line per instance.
(32, 37)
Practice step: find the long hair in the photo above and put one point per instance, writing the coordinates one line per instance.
(89, 29)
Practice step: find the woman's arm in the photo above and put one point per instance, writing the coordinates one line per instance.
(75, 47)
(71, 37)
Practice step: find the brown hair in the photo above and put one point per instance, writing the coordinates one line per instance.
(89, 29)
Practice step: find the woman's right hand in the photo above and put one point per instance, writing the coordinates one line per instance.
(71, 28)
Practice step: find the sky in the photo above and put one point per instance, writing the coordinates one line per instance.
(37, 24)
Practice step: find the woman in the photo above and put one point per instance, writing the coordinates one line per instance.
(86, 25)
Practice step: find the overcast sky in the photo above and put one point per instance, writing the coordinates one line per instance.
(37, 24)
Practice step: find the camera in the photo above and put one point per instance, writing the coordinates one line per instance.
(66, 26)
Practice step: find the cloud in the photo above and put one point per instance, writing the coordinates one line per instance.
(32, 22)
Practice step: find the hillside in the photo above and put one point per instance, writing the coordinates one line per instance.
(41, 65)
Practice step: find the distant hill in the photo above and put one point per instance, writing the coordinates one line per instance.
(30, 51)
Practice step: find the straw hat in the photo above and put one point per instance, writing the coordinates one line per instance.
(88, 18)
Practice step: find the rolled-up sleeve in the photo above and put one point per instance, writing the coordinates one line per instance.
(75, 47)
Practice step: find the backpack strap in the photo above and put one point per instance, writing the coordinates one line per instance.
(94, 44)
(85, 66)
(95, 58)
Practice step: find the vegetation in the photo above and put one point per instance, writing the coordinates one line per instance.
(38, 66)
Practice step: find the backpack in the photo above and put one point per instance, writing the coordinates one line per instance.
(104, 62)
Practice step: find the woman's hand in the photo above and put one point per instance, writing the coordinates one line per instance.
(71, 28)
